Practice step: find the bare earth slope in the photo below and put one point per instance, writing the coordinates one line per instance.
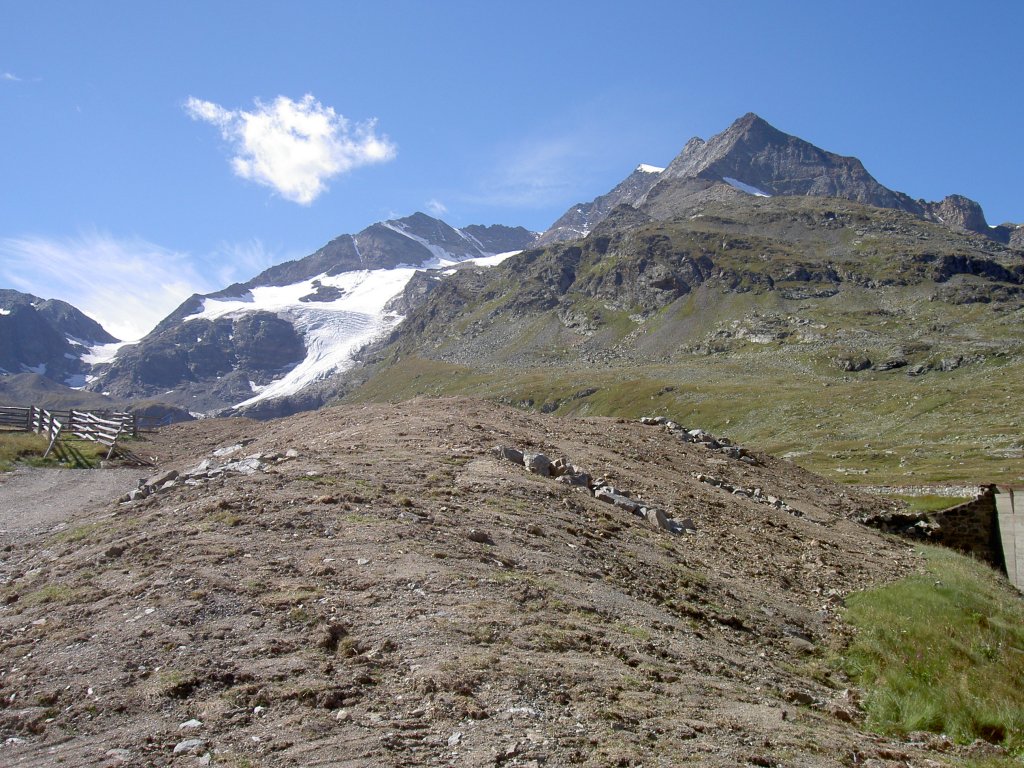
(395, 594)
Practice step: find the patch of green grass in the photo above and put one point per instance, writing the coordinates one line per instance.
(82, 532)
(931, 503)
(18, 446)
(29, 447)
(62, 594)
(942, 651)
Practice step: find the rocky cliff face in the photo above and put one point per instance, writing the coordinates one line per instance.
(47, 337)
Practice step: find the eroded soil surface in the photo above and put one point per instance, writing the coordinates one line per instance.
(391, 593)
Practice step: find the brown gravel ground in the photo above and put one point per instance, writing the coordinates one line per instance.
(334, 611)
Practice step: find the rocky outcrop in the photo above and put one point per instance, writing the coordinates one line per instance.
(259, 345)
(959, 212)
(579, 220)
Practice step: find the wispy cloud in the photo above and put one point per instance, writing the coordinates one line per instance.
(239, 262)
(436, 207)
(128, 285)
(294, 147)
(9, 77)
(534, 173)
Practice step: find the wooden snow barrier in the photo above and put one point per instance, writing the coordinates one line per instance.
(105, 429)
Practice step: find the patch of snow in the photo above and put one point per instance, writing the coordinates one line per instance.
(4, 311)
(40, 369)
(649, 168)
(103, 353)
(78, 381)
(490, 261)
(742, 187)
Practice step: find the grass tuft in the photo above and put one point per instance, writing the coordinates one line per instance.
(942, 651)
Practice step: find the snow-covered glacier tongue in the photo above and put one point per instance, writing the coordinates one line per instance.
(335, 315)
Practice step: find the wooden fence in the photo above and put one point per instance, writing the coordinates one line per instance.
(106, 428)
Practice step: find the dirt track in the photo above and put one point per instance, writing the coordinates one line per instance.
(33, 500)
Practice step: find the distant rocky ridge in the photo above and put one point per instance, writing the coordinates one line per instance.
(47, 337)
(583, 217)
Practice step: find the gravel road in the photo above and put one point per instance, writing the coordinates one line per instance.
(33, 500)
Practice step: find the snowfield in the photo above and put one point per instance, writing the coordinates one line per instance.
(332, 331)
(744, 187)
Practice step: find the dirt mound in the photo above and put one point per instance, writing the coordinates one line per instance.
(371, 585)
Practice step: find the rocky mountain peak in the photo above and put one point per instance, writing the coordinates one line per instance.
(756, 154)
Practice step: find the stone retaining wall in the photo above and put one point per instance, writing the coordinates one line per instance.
(972, 527)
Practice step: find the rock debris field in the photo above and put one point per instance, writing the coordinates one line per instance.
(381, 585)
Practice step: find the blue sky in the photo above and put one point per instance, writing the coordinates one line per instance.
(143, 157)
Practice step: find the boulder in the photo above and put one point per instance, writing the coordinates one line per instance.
(852, 363)
(509, 454)
(891, 364)
(158, 480)
(538, 464)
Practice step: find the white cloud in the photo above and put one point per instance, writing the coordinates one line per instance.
(294, 146)
(128, 285)
(10, 77)
(436, 207)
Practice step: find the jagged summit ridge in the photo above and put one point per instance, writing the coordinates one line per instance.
(754, 157)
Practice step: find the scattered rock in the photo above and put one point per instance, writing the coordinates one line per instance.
(189, 725)
(480, 537)
(891, 364)
(189, 746)
(948, 364)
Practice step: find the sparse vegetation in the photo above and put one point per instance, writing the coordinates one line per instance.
(942, 651)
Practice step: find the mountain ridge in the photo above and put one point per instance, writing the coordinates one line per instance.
(761, 157)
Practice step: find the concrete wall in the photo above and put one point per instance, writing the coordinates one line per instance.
(1010, 521)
